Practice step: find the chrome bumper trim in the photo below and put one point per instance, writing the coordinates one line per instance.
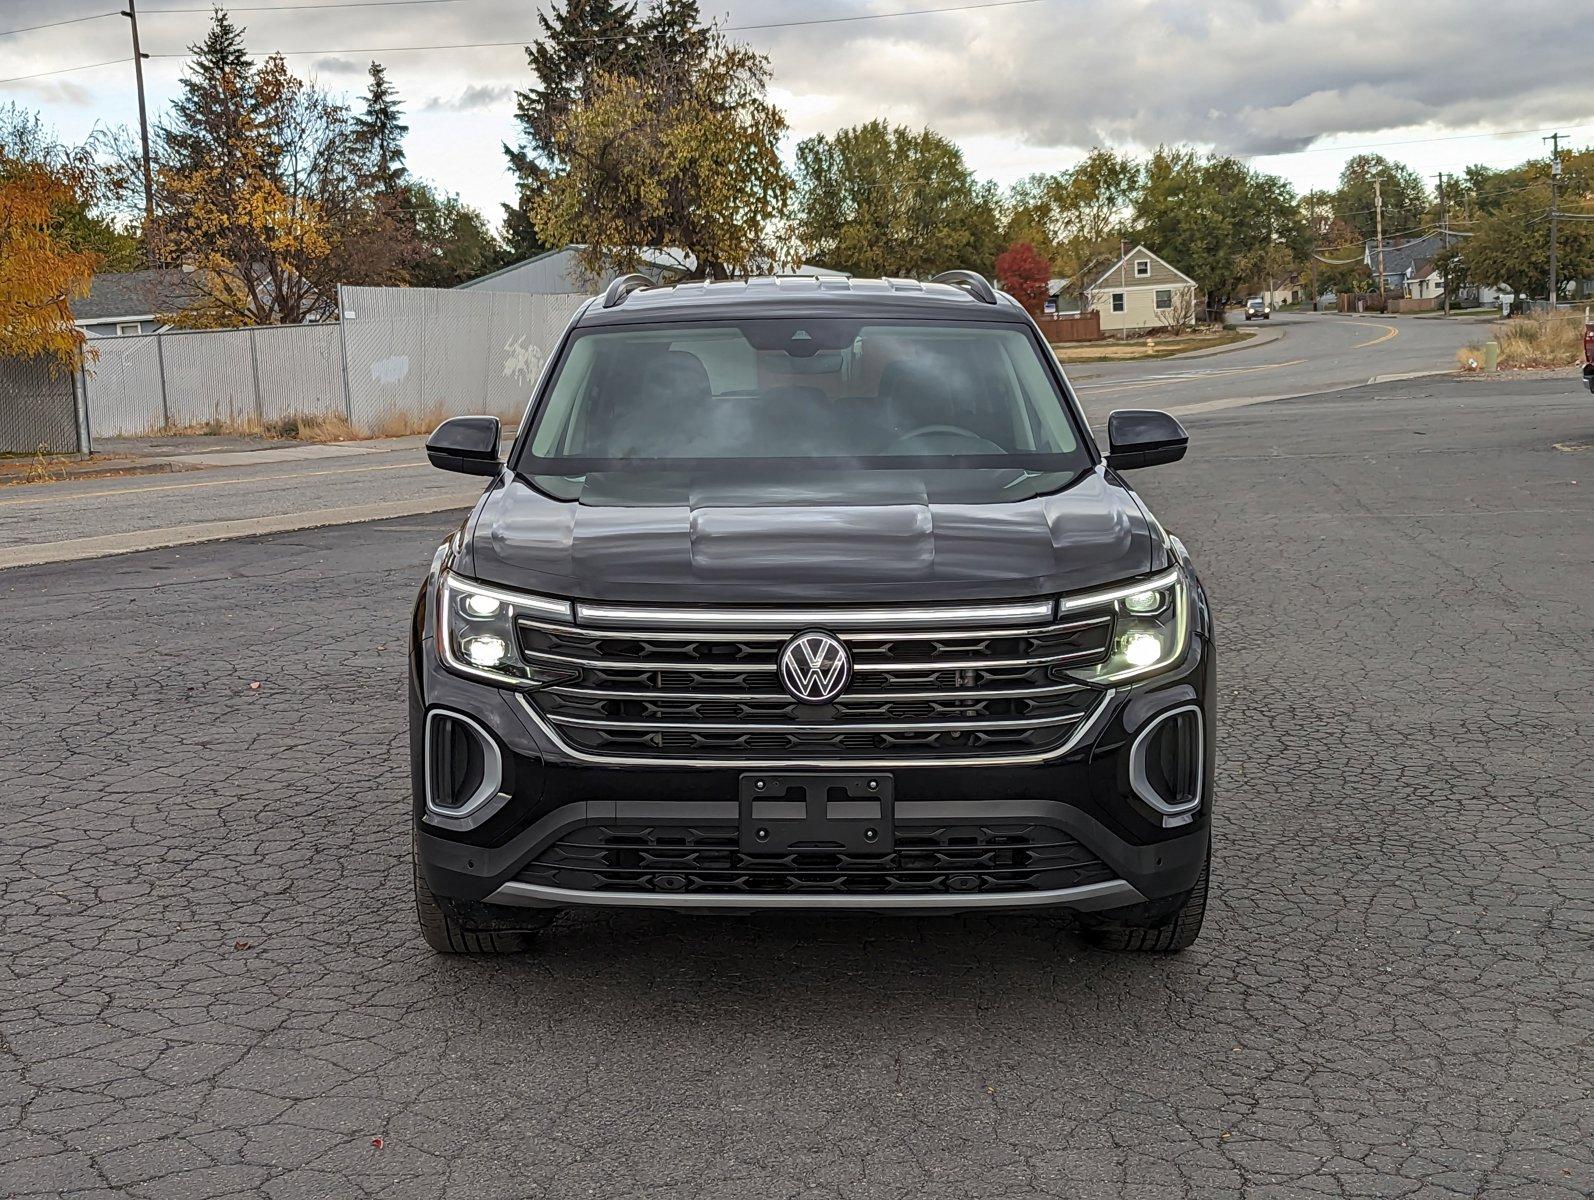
(1109, 894)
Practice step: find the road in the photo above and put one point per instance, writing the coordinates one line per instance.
(62, 521)
(213, 986)
(1297, 353)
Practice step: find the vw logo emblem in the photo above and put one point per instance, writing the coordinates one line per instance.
(815, 667)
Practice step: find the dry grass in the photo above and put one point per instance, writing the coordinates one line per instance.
(315, 427)
(298, 427)
(45, 468)
(1541, 340)
(409, 424)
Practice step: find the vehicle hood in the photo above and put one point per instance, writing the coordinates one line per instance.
(901, 536)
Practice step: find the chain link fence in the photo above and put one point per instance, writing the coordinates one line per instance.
(399, 361)
(418, 355)
(39, 409)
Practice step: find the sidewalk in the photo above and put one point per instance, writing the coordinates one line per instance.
(149, 455)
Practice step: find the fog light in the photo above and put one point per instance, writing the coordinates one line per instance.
(488, 650)
(1144, 603)
(477, 605)
(1140, 649)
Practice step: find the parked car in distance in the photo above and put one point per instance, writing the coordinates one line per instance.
(1256, 309)
(802, 593)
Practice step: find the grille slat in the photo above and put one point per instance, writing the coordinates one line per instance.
(702, 692)
(928, 859)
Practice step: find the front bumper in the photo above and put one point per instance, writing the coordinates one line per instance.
(1124, 851)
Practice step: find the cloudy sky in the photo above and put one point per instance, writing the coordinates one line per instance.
(1022, 85)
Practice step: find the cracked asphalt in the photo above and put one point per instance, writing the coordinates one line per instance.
(212, 986)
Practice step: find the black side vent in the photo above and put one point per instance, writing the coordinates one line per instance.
(463, 767)
(1165, 765)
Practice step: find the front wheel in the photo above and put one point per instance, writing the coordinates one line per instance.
(1156, 927)
(484, 930)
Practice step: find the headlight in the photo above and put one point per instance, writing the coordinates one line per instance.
(1150, 628)
(476, 634)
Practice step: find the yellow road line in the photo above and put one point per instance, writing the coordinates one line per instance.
(207, 483)
(1383, 337)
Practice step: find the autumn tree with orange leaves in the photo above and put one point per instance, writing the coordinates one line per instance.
(262, 189)
(46, 260)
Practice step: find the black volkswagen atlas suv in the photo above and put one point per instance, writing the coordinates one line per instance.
(800, 593)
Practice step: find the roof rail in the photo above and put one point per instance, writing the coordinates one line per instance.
(623, 287)
(978, 286)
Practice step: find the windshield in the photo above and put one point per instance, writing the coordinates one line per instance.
(804, 392)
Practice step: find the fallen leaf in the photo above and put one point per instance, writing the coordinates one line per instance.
(242, 945)
(378, 1142)
(255, 686)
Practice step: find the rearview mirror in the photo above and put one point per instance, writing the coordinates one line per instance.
(468, 445)
(1138, 437)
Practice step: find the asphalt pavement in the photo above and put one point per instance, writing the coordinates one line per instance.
(292, 488)
(213, 986)
(1295, 354)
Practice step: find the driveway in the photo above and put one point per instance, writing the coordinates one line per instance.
(213, 985)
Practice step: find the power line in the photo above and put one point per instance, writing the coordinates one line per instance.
(748, 28)
(110, 62)
(57, 24)
(287, 8)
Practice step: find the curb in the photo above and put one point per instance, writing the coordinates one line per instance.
(109, 470)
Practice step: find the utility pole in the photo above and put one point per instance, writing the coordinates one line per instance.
(131, 13)
(1378, 206)
(1555, 179)
(1444, 238)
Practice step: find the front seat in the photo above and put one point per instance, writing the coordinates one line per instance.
(657, 407)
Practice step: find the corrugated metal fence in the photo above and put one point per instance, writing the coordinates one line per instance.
(400, 358)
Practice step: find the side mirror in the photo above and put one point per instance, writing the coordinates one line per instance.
(468, 445)
(1138, 437)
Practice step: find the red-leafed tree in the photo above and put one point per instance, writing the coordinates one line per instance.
(1024, 274)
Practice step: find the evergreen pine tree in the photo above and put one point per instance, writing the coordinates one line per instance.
(673, 34)
(379, 134)
(579, 38)
(213, 118)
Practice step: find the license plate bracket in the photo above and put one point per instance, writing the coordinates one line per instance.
(785, 813)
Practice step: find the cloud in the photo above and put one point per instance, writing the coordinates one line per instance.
(333, 65)
(1246, 77)
(59, 91)
(475, 98)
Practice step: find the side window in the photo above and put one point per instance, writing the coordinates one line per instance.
(1142, 267)
(128, 329)
(1117, 302)
(1164, 297)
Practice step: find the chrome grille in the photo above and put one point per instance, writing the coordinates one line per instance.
(682, 689)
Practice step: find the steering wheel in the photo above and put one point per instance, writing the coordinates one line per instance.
(965, 441)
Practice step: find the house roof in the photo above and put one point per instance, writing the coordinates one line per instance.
(1141, 251)
(652, 258)
(136, 294)
(1403, 257)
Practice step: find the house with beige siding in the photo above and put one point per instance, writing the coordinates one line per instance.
(1143, 291)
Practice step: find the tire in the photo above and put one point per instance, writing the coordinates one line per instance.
(1157, 931)
(490, 930)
